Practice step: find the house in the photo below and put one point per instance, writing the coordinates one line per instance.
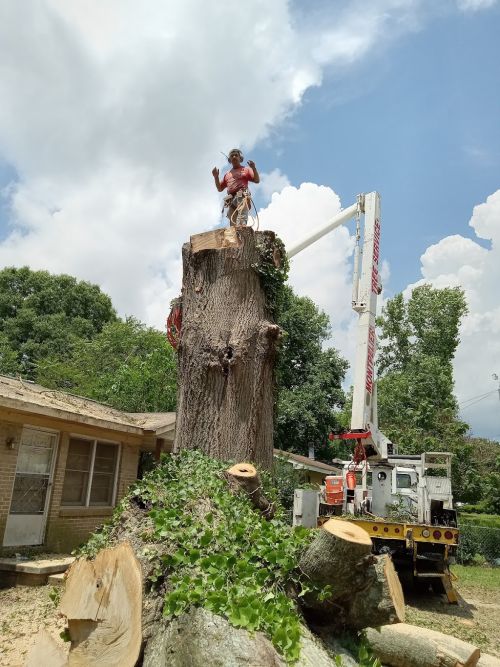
(314, 471)
(65, 462)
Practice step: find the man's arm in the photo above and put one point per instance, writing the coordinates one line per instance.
(218, 184)
(256, 177)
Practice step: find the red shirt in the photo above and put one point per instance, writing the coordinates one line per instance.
(237, 179)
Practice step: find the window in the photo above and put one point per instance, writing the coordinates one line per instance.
(90, 475)
(403, 481)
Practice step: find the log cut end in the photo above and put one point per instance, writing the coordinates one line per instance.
(347, 531)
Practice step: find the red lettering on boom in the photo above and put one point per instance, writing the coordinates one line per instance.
(370, 359)
(376, 254)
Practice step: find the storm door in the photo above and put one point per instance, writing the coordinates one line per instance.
(32, 484)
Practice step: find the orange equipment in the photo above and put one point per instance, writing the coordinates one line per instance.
(334, 490)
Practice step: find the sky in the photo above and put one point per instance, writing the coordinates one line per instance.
(114, 112)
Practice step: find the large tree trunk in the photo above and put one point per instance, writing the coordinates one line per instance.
(227, 346)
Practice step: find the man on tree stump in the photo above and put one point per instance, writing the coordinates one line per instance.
(238, 200)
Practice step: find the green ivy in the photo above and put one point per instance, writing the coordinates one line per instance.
(220, 553)
(272, 277)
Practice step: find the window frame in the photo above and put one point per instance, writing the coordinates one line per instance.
(93, 443)
(400, 475)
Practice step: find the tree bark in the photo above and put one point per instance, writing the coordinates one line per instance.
(227, 347)
(366, 590)
(405, 645)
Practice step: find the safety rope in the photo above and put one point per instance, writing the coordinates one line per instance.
(246, 203)
(174, 323)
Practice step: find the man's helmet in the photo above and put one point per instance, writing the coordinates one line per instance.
(237, 151)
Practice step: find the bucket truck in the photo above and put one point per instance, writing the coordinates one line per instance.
(423, 537)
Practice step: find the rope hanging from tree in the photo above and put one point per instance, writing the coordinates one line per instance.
(174, 323)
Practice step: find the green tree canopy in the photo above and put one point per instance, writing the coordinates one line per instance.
(42, 315)
(309, 378)
(417, 406)
(127, 365)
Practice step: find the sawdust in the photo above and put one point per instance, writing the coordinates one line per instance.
(23, 611)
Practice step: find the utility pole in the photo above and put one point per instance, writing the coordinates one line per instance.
(495, 377)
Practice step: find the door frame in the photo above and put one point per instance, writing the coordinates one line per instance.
(50, 482)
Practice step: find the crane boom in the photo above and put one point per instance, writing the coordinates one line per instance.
(366, 288)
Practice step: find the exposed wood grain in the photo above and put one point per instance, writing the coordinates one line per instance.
(103, 604)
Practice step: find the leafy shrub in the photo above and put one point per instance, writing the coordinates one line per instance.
(478, 542)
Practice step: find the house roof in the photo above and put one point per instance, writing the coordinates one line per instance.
(306, 463)
(27, 396)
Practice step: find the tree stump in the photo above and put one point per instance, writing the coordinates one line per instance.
(228, 345)
(366, 590)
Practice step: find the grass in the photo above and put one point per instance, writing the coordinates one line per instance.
(471, 576)
(475, 619)
(486, 520)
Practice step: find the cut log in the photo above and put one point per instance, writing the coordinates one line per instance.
(102, 601)
(338, 556)
(244, 476)
(404, 645)
(227, 349)
(366, 590)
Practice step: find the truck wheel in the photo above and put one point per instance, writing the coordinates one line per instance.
(438, 586)
(421, 585)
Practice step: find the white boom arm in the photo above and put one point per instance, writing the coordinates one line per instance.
(366, 288)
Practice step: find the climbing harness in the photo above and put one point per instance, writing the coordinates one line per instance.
(174, 323)
(243, 202)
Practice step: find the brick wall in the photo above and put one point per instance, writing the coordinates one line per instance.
(8, 462)
(69, 527)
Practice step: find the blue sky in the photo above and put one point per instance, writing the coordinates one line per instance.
(114, 113)
(419, 122)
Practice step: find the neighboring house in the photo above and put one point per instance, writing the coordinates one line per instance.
(65, 462)
(314, 471)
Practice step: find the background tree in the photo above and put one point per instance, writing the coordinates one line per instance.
(127, 365)
(417, 405)
(42, 315)
(309, 378)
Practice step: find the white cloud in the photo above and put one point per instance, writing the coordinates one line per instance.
(456, 260)
(323, 270)
(475, 5)
(272, 182)
(113, 112)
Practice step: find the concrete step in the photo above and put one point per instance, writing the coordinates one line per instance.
(14, 572)
(56, 579)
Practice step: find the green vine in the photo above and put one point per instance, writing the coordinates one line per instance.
(273, 268)
(217, 552)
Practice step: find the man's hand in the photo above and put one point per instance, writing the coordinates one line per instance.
(256, 177)
(215, 172)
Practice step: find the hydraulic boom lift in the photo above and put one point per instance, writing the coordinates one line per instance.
(423, 544)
